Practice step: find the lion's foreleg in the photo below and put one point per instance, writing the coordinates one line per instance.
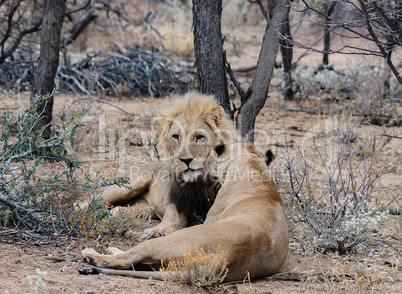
(141, 177)
(115, 194)
(172, 221)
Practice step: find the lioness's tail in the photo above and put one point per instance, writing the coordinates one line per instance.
(136, 274)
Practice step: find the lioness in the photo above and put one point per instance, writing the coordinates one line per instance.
(247, 222)
(180, 188)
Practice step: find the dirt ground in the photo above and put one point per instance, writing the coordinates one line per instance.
(21, 253)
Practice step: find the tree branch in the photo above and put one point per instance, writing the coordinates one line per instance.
(78, 9)
(378, 43)
(263, 74)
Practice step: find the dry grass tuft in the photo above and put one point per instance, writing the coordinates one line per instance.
(198, 268)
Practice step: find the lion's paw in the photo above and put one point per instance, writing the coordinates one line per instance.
(88, 254)
(158, 231)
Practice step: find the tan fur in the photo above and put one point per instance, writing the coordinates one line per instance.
(197, 121)
(247, 222)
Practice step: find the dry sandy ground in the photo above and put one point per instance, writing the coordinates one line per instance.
(301, 274)
(21, 254)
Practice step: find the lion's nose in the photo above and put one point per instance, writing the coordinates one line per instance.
(187, 161)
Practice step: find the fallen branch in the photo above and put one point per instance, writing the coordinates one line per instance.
(8, 232)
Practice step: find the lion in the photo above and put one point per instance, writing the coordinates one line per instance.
(181, 187)
(247, 222)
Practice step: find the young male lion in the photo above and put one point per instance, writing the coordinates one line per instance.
(181, 187)
(247, 222)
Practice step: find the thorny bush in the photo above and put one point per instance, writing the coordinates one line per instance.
(39, 185)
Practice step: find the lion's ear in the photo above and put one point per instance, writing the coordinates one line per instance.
(165, 122)
(269, 156)
(165, 119)
(218, 114)
(220, 148)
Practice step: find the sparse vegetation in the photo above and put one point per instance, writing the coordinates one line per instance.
(331, 195)
(38, 200)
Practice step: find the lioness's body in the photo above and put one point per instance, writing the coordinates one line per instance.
(247, 222)
(180, 188)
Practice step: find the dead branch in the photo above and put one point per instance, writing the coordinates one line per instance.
(79, 27)
(243, 95)
(120, 48)
(14, 207)
(15, 29)
(370, 21)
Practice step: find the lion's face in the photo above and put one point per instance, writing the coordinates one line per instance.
(190, 128)
(191, 143)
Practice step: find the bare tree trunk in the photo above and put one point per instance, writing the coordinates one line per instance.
(266, 62)
(287, 56)
(208, 50)
(52, 23)
(329, 8)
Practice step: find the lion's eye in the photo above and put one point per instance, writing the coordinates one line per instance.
(199, 138)
(176, 137)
